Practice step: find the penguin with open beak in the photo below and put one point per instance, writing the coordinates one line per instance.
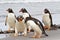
(47, 19)
(20, 26)
(33, 23)
(10, 19)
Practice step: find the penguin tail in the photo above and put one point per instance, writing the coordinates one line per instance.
(59, 27)
(43, 30)
(55, 26)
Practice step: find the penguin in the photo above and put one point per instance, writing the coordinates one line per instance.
(10, 19)
(34, 20)
(47, 19)
(20, 26)
(25, 14)
(32, 23)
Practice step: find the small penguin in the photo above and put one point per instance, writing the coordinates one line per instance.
(47, 19)
(10, 19)
(20, 26)
(35, 21)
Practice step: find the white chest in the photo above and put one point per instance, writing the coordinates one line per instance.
(11, 20)
(46, 17)
(20, 26)
(46, 20)
(11, 17)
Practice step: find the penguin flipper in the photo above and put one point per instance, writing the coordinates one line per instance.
(6, 20)
(43, 30)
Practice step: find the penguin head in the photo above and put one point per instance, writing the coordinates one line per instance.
(46, 11)
(19, 18)
(10, 10)
(23, 10)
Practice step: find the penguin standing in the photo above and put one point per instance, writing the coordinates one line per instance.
(47, 19)
(20, 26)
(36, 23)
(10, 19)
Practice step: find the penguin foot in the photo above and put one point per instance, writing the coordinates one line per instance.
(36, 36)
(33, 36)
(16, 34)
(25, 35)
(8, 30)
(45, 27)
(48, 28)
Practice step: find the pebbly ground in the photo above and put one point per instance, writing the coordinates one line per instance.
(53, 35)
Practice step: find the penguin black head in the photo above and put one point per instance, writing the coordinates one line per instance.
(19, 18)
(23, 10)
(10, 10)
(46, 11)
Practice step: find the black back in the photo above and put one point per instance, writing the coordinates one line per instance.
(37, 22)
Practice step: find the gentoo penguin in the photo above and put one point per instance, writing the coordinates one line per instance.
(47, 19)
(10, 19)
(25, 14)
(20, 26)
(36, 22)
(33, 24)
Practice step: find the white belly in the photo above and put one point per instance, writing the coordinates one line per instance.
(46, 20)
(20, 26)
(11, 20)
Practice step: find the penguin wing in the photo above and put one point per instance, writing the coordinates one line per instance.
(51, 19)
(42, 20)
(6, 20)
(15, 18)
